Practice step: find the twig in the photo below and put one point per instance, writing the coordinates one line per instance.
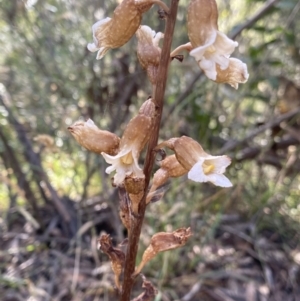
(158, 98)
(258, 15)
(232, 145)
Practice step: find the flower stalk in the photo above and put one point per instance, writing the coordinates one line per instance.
(158, 96)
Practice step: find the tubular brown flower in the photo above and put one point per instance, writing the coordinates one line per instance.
(164, 241)
(148, 51)
(169, 168)
(134, 139)
(116, 31)
(88, 135)
(210, 47)
(201, 166)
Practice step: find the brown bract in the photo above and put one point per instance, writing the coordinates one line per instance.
(164, 241)
(88, 135)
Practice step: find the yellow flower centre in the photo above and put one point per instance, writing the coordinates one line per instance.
(208, 168)
(127, 159)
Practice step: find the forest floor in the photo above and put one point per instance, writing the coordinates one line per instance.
(240, 263)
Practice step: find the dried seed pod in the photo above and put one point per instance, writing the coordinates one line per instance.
(88, 135)
(149, 291)
(164, 241)
(116, 256)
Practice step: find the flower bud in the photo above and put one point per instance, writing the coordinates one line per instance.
(169, 168)
(116, 256)
(164, 241)
(148, 51)
(88, 135)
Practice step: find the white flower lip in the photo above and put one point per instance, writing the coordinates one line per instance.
(216, 50)
(122, 169)
(211, 169)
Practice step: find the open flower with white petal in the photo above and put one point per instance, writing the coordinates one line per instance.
(201, 166)
(116, 31)
(148, 51)
(210, 47)
(133, 141)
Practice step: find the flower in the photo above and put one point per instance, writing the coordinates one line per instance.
(148, 51)
(169, 168)
(210, 47)
(88, 135)
(134, 139)
(202, 167)
(116, 31)
(164, 241)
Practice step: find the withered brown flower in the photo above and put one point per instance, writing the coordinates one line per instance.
(116, 256)
(164, 241)
(149, 291)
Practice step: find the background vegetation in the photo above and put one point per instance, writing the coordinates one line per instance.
(55, 198)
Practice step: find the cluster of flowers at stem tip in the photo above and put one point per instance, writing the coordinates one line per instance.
(207, 45)
(212, 50)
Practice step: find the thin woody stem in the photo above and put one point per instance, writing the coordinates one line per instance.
(158, 98)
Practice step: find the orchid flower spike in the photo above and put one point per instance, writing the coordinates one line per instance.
(133, 141)
(148, 51)
(202, 167)
(88, 135)
(116, 31)
(210, 47)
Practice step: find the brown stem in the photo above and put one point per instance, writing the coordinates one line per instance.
(158, 97)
